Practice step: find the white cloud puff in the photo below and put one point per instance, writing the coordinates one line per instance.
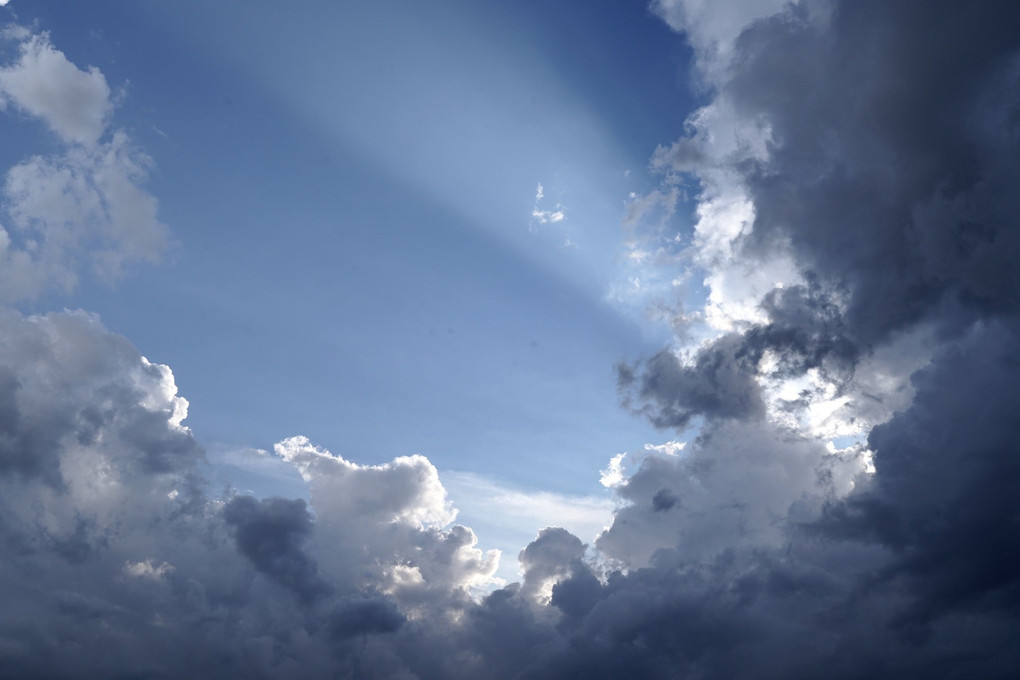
(74, 103)
(84, 208)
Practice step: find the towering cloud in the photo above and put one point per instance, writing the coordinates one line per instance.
(855, 230)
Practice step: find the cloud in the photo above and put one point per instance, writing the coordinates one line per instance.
(853, 228)
(540, 216)
(110, 542)
(719, 384)
(712, 29)
(74, 103)
(739, 484)
(613, 474)
(270, 534)
(547, 560)
(397, 514)
(507, 518)
(83, 207)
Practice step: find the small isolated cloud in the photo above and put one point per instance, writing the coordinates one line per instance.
(670, 448)
(613, 475)
(539, 215)
(548, 216)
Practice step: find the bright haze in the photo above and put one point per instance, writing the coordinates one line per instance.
(546, 340)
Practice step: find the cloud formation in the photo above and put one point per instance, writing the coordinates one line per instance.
(74, 103)
(846, 503)
(84, 207)
(854, 230)
(109, 540)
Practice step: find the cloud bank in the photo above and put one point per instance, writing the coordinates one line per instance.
(846, 506)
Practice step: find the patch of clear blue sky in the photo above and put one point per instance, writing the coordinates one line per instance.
(351, 183)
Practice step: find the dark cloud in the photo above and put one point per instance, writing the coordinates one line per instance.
(947, 469)
(549, 558)
(365, 616)
(27, 447)
(663, 500)
(888, 178)
(720, 384)
(893, 153)
(270, 533)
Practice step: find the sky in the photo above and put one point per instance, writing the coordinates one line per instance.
(535, 340)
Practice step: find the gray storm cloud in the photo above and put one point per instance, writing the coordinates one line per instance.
(847, 504)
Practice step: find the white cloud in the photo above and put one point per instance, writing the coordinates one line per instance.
(74, 103)
(397, 513)
(713, 27)
(670, 448)
(548, 216)
(545, 216)
(736, 486)
(85, 208)
(613, 474)
(407, 490)
(148, 569)
(86, 205)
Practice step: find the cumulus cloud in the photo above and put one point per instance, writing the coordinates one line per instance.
(74, 103)
(719, 384)
(853, 227)
(739, 484)
(110, 541)
(83, 208)
(613, 474)
(396, 515)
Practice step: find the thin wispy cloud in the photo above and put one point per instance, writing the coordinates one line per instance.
(544, 216)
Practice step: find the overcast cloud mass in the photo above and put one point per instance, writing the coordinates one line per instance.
(841, 500)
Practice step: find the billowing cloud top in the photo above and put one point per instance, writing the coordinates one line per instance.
(846, 506)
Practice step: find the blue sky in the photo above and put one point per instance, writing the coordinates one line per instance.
(360, 253)
(350, 187)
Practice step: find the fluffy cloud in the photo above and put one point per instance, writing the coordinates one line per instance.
(396, 515)
(75, 104)
(854, 232)
(110, 542)
(84, 206)
(739, 484)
